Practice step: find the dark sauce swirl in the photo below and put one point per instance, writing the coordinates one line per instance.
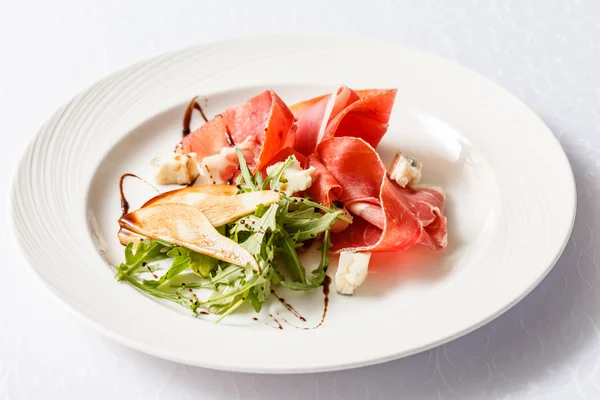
(187, 117)
(326, 286)
(124, 202)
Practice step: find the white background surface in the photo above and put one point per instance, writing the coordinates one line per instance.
(546, 52)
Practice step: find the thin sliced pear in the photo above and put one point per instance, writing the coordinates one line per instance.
(219, 209)
(186, 226)
(175, 196)
(126, 236)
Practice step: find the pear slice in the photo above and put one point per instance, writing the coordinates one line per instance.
(179, 195)
(220, 206)
(126, 236)
(186, 226)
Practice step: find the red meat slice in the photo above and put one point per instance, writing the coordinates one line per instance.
(261, 128)
(362, 113)
(389, 217)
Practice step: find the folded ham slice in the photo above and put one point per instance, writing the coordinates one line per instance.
(325, 188)
(362, 113)
(388, 217)
(260, 128)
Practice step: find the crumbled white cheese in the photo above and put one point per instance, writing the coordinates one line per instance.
(340, 225)
(179, 169)
(405, 170)
(352, 271)
(217, 163)
(204, 177)
(294, 178)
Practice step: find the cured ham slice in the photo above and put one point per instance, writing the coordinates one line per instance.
(362, 113)
(260, 128)
(370, 212)
(388, 217)
(315, 114)
(325, 188)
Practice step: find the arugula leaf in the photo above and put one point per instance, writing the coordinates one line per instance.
(260, 210)
(202, 265)
(309, 203)
(253, 298)
(249, 182)
(181, 262)
(275, 175)
(232, 291)
(264, 225)
(151, 283)
(310, 228)
(259, 179)
(317, 276)
(183, 259)
(235, 304)
(190, 285)
(144, 254)
(301, 213)
(155, 292)
(164, 243)
(227, 275)
(291, 260)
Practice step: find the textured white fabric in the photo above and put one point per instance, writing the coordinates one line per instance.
(547, 52)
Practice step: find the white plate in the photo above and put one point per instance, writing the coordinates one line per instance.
(510, 189)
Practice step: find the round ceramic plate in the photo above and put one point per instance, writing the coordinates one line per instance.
(510, 203)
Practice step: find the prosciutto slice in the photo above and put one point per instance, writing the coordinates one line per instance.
(362, 113)
(325, 188)
(388, 217)
(260, 128)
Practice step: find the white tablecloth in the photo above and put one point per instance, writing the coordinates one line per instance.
(545, 52)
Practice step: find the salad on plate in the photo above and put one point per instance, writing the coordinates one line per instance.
(264, 182)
